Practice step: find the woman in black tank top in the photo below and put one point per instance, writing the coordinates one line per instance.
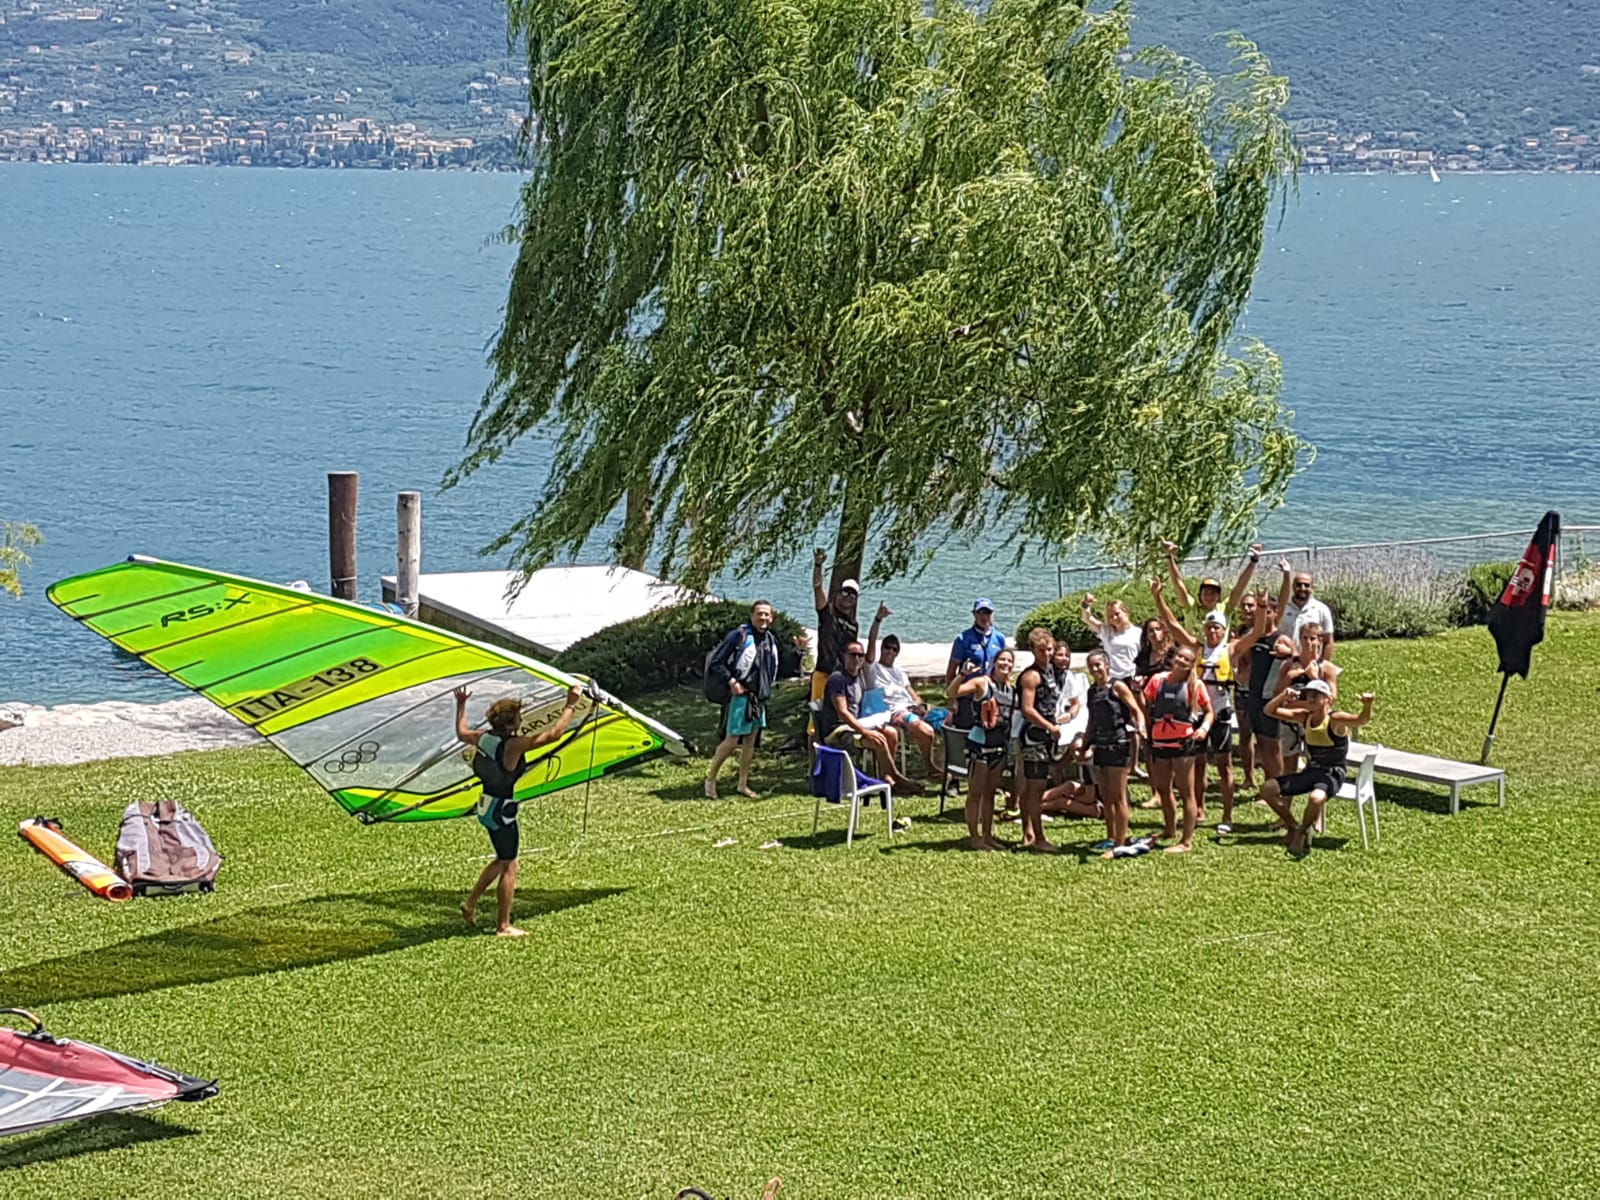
(1112, 707)
(1327, 736)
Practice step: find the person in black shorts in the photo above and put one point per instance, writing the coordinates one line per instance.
(988, 743)
(1113, 708)
(1039, 740)
(498, 761)
(1327, 738)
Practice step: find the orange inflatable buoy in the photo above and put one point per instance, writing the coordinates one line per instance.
(46, 837)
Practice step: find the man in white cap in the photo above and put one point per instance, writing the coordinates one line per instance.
(836, 624)
(973, 653)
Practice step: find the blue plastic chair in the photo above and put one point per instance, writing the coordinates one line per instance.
(834, 778)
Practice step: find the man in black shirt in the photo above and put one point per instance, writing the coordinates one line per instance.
(836, 624)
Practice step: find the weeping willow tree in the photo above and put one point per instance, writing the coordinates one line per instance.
(894, 272)
(16, 538)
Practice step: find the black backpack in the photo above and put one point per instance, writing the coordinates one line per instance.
(715, 684)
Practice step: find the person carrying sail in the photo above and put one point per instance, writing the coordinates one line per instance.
(498, 761)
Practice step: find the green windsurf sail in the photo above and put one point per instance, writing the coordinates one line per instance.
(360, 699)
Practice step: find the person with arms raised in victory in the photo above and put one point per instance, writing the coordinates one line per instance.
(1217, 655)
(498, 761)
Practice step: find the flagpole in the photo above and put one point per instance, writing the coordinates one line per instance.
(1488, 742)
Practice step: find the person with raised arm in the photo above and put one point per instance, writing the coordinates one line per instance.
(906, 709)
(836, 623)
(1210, 589)
(1120, 639)
(1180, 716)
(994, 702)
(1327, 738)
(498, 761)
(1217, 654)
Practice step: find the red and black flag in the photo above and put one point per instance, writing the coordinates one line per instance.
(1517, 620)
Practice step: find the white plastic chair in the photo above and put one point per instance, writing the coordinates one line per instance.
(1365, 794)
(853, 789)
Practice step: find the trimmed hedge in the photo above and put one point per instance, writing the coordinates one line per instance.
(1481, 587)
(1366, 609)
(663, 648)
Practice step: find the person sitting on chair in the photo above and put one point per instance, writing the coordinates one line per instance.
(839, 721)
(1327, 738)
(906, 709)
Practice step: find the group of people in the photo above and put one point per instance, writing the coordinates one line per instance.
(1169, 702)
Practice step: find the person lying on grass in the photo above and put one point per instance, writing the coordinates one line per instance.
(1327, 739)
(499, 763)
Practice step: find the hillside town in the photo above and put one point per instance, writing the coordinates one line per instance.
(1563, 148)
(320, 140)
(336, 140)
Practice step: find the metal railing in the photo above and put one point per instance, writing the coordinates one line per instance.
(1440, 554)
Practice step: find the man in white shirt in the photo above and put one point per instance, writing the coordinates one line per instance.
(1302, 608)
(905, 708)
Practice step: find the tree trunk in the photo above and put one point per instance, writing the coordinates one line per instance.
(850, 542)
(638, 527)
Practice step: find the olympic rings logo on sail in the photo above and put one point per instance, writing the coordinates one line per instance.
(353, 759)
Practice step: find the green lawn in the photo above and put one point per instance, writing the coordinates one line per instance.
(885, 1021)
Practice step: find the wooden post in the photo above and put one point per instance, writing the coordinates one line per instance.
(408, 565)
(342, 488)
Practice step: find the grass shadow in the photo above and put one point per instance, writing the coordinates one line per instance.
(258, 941)
(956, 843)
(110, 1132)
(1424, 800)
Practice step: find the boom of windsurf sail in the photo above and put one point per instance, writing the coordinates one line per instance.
(360, 699)
(46, 1080)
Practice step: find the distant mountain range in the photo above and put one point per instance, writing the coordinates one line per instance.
(1451, 71)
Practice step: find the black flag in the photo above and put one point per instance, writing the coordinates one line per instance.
(1517, 621)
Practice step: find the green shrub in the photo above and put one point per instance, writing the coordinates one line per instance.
(1480, 589)
(663, 648)
(1364, 608)
(1064, 618)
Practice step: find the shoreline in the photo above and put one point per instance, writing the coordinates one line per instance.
(34, 735)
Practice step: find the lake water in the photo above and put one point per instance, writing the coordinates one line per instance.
(184, 354)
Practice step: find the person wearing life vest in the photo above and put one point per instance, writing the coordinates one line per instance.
(994, 697)
(1180, 715)
(1327, 738)
(1217, 654)
(498, 761)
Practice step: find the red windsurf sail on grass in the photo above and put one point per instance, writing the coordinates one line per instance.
(46, 1080)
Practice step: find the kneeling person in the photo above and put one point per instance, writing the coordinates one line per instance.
(499, 762)
(1327, 739)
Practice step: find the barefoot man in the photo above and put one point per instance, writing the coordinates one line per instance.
(498, 761)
